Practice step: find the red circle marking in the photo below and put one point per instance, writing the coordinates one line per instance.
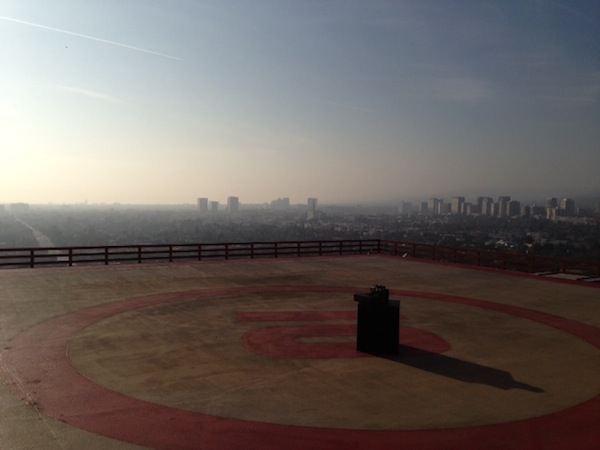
(287, 341)
(36, 366)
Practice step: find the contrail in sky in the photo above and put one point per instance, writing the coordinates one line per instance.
(85, 36)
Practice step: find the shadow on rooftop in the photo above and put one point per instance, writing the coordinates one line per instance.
(459, 369)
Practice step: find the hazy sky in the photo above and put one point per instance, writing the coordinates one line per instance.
(163, 101)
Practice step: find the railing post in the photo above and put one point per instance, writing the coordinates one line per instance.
(227, 251)
(199, 252)
(32, 258)
(298, 249)
(170, 253)
(106, 256)
(70, 256)
(276, 249)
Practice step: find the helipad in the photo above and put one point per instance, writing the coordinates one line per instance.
(261, 354)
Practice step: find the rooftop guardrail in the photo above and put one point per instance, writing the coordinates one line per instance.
(33, 257)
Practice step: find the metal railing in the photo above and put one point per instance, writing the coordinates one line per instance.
(124, 254)
(150, 253)
(518, 262)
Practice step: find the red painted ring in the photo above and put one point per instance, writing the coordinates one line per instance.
(35, 364)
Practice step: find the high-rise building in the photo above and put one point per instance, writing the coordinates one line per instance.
(551, 208)
(457, 205)
(312, 208)
(514, 208)
(470, 209)
(214, 206)
(203, 204)
(503, 206)
(552, 202)
(434, 205)
(233, 205)
(496, 209)
(486, 206)
(567, 207)
(539, 211)
(480, 203)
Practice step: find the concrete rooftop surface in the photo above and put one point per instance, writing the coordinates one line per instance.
(261, 354)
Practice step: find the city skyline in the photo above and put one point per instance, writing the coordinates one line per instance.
(145, 102)
(448, 203)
